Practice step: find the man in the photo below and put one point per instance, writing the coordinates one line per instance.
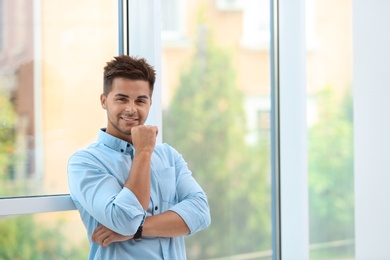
(138, 200)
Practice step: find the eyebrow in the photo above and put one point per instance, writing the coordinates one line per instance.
(143, 97)
(126, 96)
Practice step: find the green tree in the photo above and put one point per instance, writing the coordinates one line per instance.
(331, 170)
(206, 123)
(23, 238)
(7, 138)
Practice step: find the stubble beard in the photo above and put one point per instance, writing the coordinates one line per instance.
(120, 129)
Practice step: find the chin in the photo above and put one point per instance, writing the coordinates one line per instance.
(126, 131)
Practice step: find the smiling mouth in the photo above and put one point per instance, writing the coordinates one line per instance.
(129, 119)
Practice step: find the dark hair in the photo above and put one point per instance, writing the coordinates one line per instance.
(130, 68)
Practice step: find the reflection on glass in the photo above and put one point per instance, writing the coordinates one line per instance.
(330, 122)
(216, 101)
(51, 59)
(16, 96)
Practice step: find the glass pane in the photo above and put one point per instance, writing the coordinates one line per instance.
(43, 236)
(216, 112)
(51, 59)
(330, 128)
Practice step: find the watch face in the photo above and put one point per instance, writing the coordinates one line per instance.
(138, 234)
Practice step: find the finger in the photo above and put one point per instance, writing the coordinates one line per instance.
(154, 129)
(98, 230)
(95, 232)
(99, 233)
(107, 238)
(102, 237)
(107, 241)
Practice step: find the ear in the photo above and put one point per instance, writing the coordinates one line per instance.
(103, 100)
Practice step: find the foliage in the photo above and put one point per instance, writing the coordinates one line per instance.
(206, 123)
(331, 169)
(7, 137)
(23, 238)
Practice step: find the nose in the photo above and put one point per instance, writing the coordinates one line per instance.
(130, 107)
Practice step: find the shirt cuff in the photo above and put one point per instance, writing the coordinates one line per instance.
(127, 200)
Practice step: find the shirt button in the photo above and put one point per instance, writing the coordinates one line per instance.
(128, 145)
(156, 208)
(122, 150)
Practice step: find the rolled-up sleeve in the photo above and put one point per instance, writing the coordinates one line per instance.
(194, 210)
(101, 195)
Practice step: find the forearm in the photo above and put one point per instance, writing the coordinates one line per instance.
(102, 197)
(139, 178)
(167, 224)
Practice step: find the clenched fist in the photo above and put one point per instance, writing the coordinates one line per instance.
(144, 138)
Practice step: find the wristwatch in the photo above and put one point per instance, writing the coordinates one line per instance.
(137, 236)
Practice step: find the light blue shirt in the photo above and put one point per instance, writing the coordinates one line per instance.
(96, 177)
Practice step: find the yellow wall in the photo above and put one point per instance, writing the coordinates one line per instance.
(77, 39)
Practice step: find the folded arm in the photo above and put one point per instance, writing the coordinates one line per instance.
(102, 197)
(190, 215)
(168, 224)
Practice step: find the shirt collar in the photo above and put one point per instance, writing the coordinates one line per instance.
(114, 142)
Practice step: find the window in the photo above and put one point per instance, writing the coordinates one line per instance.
(214, 90)
(215, 113)
(50, 85)
(50, 70)
(330, 132)
(66, 95)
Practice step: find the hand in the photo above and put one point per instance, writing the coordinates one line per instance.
(104, 236)
(144, 138)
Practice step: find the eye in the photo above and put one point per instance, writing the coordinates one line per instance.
(142, 101)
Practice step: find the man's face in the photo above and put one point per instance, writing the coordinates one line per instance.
(127, 106)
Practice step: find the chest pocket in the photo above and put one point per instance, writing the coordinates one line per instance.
(167, 184)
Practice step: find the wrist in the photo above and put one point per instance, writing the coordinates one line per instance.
(144, 152)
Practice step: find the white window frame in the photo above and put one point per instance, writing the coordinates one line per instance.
(289, 132)
(371, 60)
(35, 204)
(293, 131)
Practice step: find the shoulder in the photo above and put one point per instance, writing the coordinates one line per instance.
(91, 151)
